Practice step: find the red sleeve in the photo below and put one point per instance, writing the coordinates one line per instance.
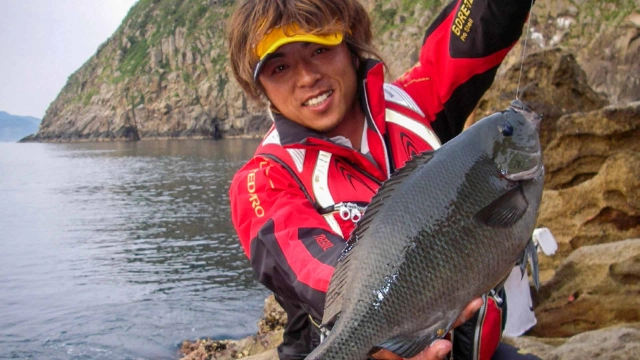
(459, 58)
(291, 247)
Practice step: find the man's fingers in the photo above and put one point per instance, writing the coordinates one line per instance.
(469, 311)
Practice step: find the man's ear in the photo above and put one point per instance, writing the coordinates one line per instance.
(265, 99)
(355, 59)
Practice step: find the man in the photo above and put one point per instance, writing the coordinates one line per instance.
(339, 131)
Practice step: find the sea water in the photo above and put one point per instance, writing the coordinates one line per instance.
(121, 250)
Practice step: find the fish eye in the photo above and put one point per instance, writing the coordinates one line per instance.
(506, 129)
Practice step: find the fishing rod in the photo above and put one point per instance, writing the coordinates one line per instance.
(524, 51)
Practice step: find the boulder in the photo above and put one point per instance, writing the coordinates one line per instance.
(592, 181)
(539, 347)
(611, 61)
(616, 342)
(274, 318)
(584, 140)
(551, 84)
(261, 346)
(595, 287)
(611, 343)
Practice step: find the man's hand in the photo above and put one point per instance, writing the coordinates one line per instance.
(440, 348)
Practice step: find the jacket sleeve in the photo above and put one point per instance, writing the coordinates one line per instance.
(459, 58)
(291, 247)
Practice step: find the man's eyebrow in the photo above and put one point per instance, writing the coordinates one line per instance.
(276, 55)
(273, 56)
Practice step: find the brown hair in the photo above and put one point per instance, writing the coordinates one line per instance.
(253, 18)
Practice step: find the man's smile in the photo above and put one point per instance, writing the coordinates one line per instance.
(317, 100)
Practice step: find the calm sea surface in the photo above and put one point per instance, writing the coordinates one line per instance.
(120, 250)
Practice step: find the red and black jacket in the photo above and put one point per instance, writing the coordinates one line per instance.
(294, 204)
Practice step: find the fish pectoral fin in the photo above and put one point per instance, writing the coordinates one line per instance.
(505, 210)
(407, 346)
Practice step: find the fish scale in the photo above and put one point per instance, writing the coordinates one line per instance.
(443, 230)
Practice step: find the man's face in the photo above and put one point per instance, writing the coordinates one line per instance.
(311, 84)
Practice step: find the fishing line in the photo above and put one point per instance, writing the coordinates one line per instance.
(524, 50)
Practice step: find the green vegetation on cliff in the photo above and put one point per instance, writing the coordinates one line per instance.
(151, 21)
(390, 14)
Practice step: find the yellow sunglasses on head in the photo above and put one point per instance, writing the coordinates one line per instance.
(279, 36)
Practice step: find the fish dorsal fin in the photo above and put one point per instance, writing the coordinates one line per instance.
(388, 188)
(333, 300)
(337, 285)
(340, 278)
(505, 210)
(408, 168)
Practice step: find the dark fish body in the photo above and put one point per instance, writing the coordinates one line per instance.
(443, 230)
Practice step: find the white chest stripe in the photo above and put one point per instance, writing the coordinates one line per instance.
(397, 95)
(377, 131)
(414, 126)
(298, 157)
(320, 180)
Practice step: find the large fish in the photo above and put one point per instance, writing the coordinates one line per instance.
(445, 229)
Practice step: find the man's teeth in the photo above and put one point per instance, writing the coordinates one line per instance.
(319, 99)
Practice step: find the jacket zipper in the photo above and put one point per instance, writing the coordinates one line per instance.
(384, 143)
(476, 336)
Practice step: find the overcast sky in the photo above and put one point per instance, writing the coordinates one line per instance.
(42, 42)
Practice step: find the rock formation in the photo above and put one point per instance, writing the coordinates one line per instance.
(597, 286)
(260, 346)
(616, 342)
(162, 74)
(592, 181)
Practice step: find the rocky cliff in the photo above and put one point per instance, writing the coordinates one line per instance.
(164, 72)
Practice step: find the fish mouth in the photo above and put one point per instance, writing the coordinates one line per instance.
(532, 172)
